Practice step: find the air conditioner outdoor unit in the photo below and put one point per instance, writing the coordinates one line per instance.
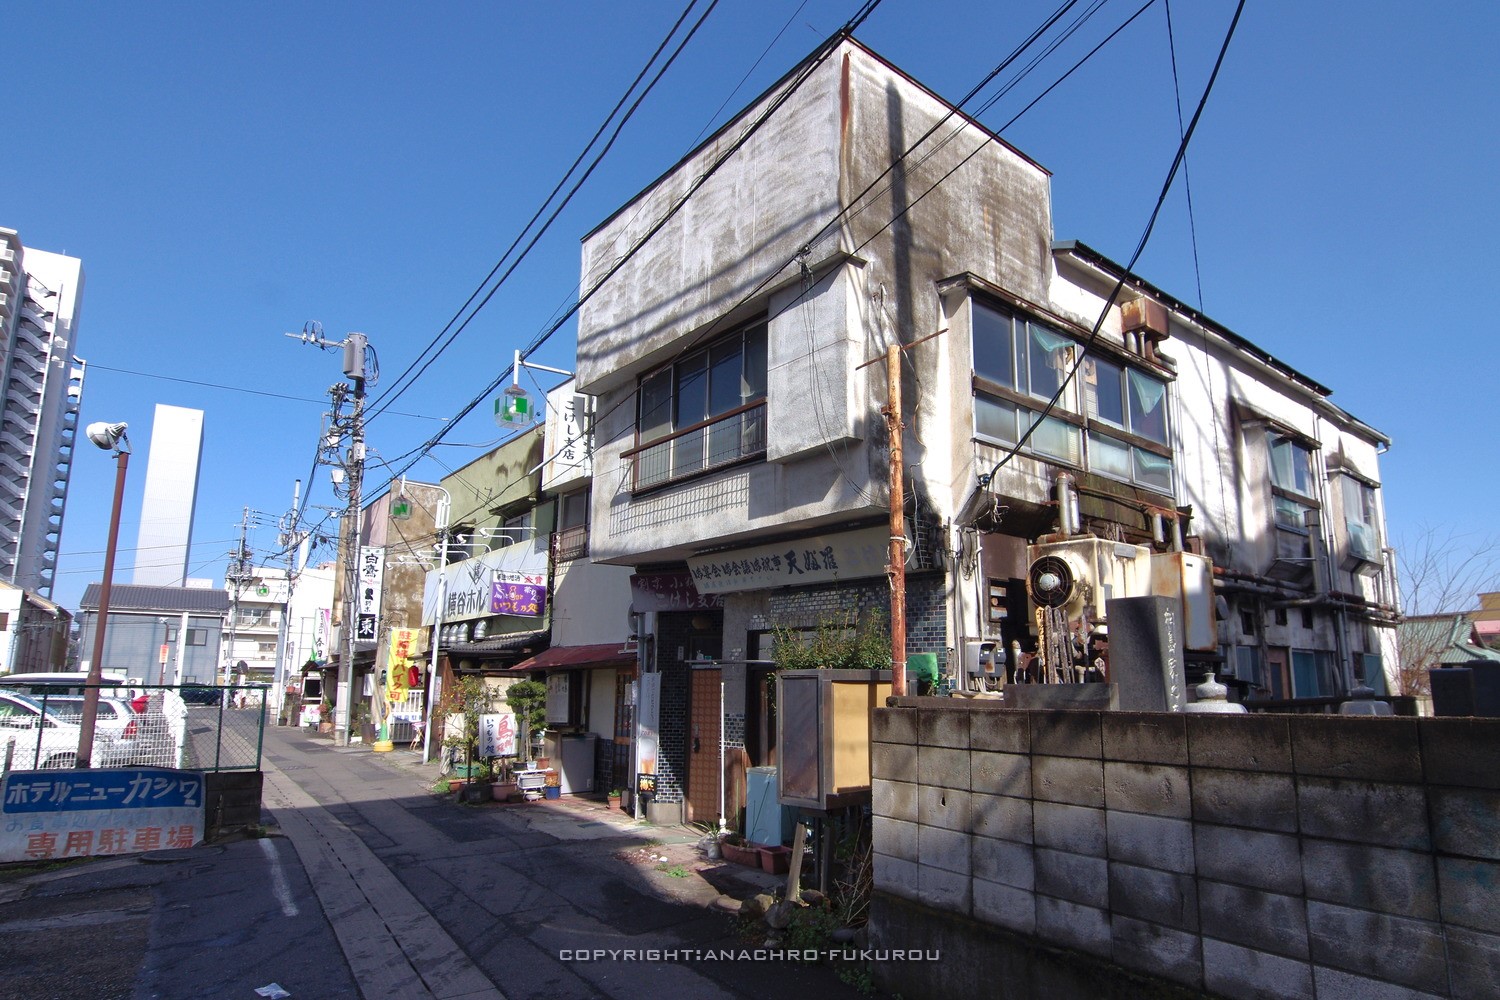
(1080, 574)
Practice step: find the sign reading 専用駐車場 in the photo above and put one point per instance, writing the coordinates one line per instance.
(78, 814)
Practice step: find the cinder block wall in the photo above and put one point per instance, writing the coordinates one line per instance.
(1246, 856)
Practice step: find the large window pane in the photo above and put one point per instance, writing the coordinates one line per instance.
(1049, 355)
(1103, 392)
(724, 378)
(656, 406)
(754, 386)
(1109, 457)
(1153, 470)
(994, 349)
(692, 390)
(1291, 514)
(1148, 406)
(1290, 464)
(1058, 440)
(995, 419)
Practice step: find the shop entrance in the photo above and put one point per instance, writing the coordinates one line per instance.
(704, 730)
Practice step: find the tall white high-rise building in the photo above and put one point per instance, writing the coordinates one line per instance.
(166, 534)
(42, 381)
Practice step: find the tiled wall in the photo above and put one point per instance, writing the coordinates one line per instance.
(1250, 856)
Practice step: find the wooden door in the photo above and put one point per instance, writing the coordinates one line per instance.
(704, 723)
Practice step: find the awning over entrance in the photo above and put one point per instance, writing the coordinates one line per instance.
(608, 654)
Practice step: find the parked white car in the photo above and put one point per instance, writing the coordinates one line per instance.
(31, 738)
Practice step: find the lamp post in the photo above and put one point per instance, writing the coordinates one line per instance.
(110, 437)
(445, 511)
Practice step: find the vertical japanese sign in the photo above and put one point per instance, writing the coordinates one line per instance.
(647, 716)
(367, 596)
(569, 437)
(323, 625)
(497, 735)
(399, 664)
(80, 814)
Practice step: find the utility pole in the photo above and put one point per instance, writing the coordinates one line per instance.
(238, 573)
(355, 347)
(896, 571)
(290, 539)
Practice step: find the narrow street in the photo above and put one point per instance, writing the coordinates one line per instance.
(430, 898)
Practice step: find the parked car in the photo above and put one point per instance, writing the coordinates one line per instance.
(201, 694)
(113, 717)
(33, 738)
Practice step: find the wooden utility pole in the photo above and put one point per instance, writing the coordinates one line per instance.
(896, 571)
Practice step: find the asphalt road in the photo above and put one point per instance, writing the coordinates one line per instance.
(369, 885)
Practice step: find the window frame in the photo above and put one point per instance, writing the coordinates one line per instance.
(710, 422)
(1014, 401)
(571, 539)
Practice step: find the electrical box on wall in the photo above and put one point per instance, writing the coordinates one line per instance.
(979, 657)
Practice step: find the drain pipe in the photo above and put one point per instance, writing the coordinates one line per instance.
(1066, 511)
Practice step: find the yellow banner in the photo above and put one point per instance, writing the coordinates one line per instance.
(399, 663)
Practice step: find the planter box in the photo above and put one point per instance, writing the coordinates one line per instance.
(740, 854)
(553, 791)
(775, 860)
(501, 791)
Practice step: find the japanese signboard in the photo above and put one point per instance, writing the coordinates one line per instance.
(466, 588)
(399, 663)
(367, 593)
(497, 735)
(815, 559)
(669, 592)
(648, 714)
(323, 626)
(523, 594)
(569, 438)
(80, 814)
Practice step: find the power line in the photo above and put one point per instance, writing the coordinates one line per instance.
(236, 388)
(1134, 257)
(385, 399)
(807, 68)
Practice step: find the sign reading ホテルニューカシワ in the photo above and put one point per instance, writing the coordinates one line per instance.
(79, 814)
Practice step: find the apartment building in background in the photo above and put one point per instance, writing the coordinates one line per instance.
(40, 297)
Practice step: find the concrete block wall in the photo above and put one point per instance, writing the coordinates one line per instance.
(1243, 856)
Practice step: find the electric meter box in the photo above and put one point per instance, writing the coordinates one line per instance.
(979, 657)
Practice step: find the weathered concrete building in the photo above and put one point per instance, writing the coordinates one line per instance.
(741, 444)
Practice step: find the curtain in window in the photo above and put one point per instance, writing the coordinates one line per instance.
(1148, 411)
(1153, 470)
(1049, 353)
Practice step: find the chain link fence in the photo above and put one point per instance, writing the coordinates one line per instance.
(197, 728)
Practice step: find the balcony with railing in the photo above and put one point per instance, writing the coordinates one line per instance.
(720, 441)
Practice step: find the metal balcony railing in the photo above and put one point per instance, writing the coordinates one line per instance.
(714, 443)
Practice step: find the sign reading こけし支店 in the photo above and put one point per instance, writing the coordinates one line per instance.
(79, 814)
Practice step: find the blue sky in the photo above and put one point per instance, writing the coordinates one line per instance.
(228, 173)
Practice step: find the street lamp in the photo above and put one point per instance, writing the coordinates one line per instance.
(445, 511)
(110, 437)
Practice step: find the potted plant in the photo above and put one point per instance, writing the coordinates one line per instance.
(325, 716)
(528, 699)
(734, 848)
(460, 707)
(505, 783)
(613, 799)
